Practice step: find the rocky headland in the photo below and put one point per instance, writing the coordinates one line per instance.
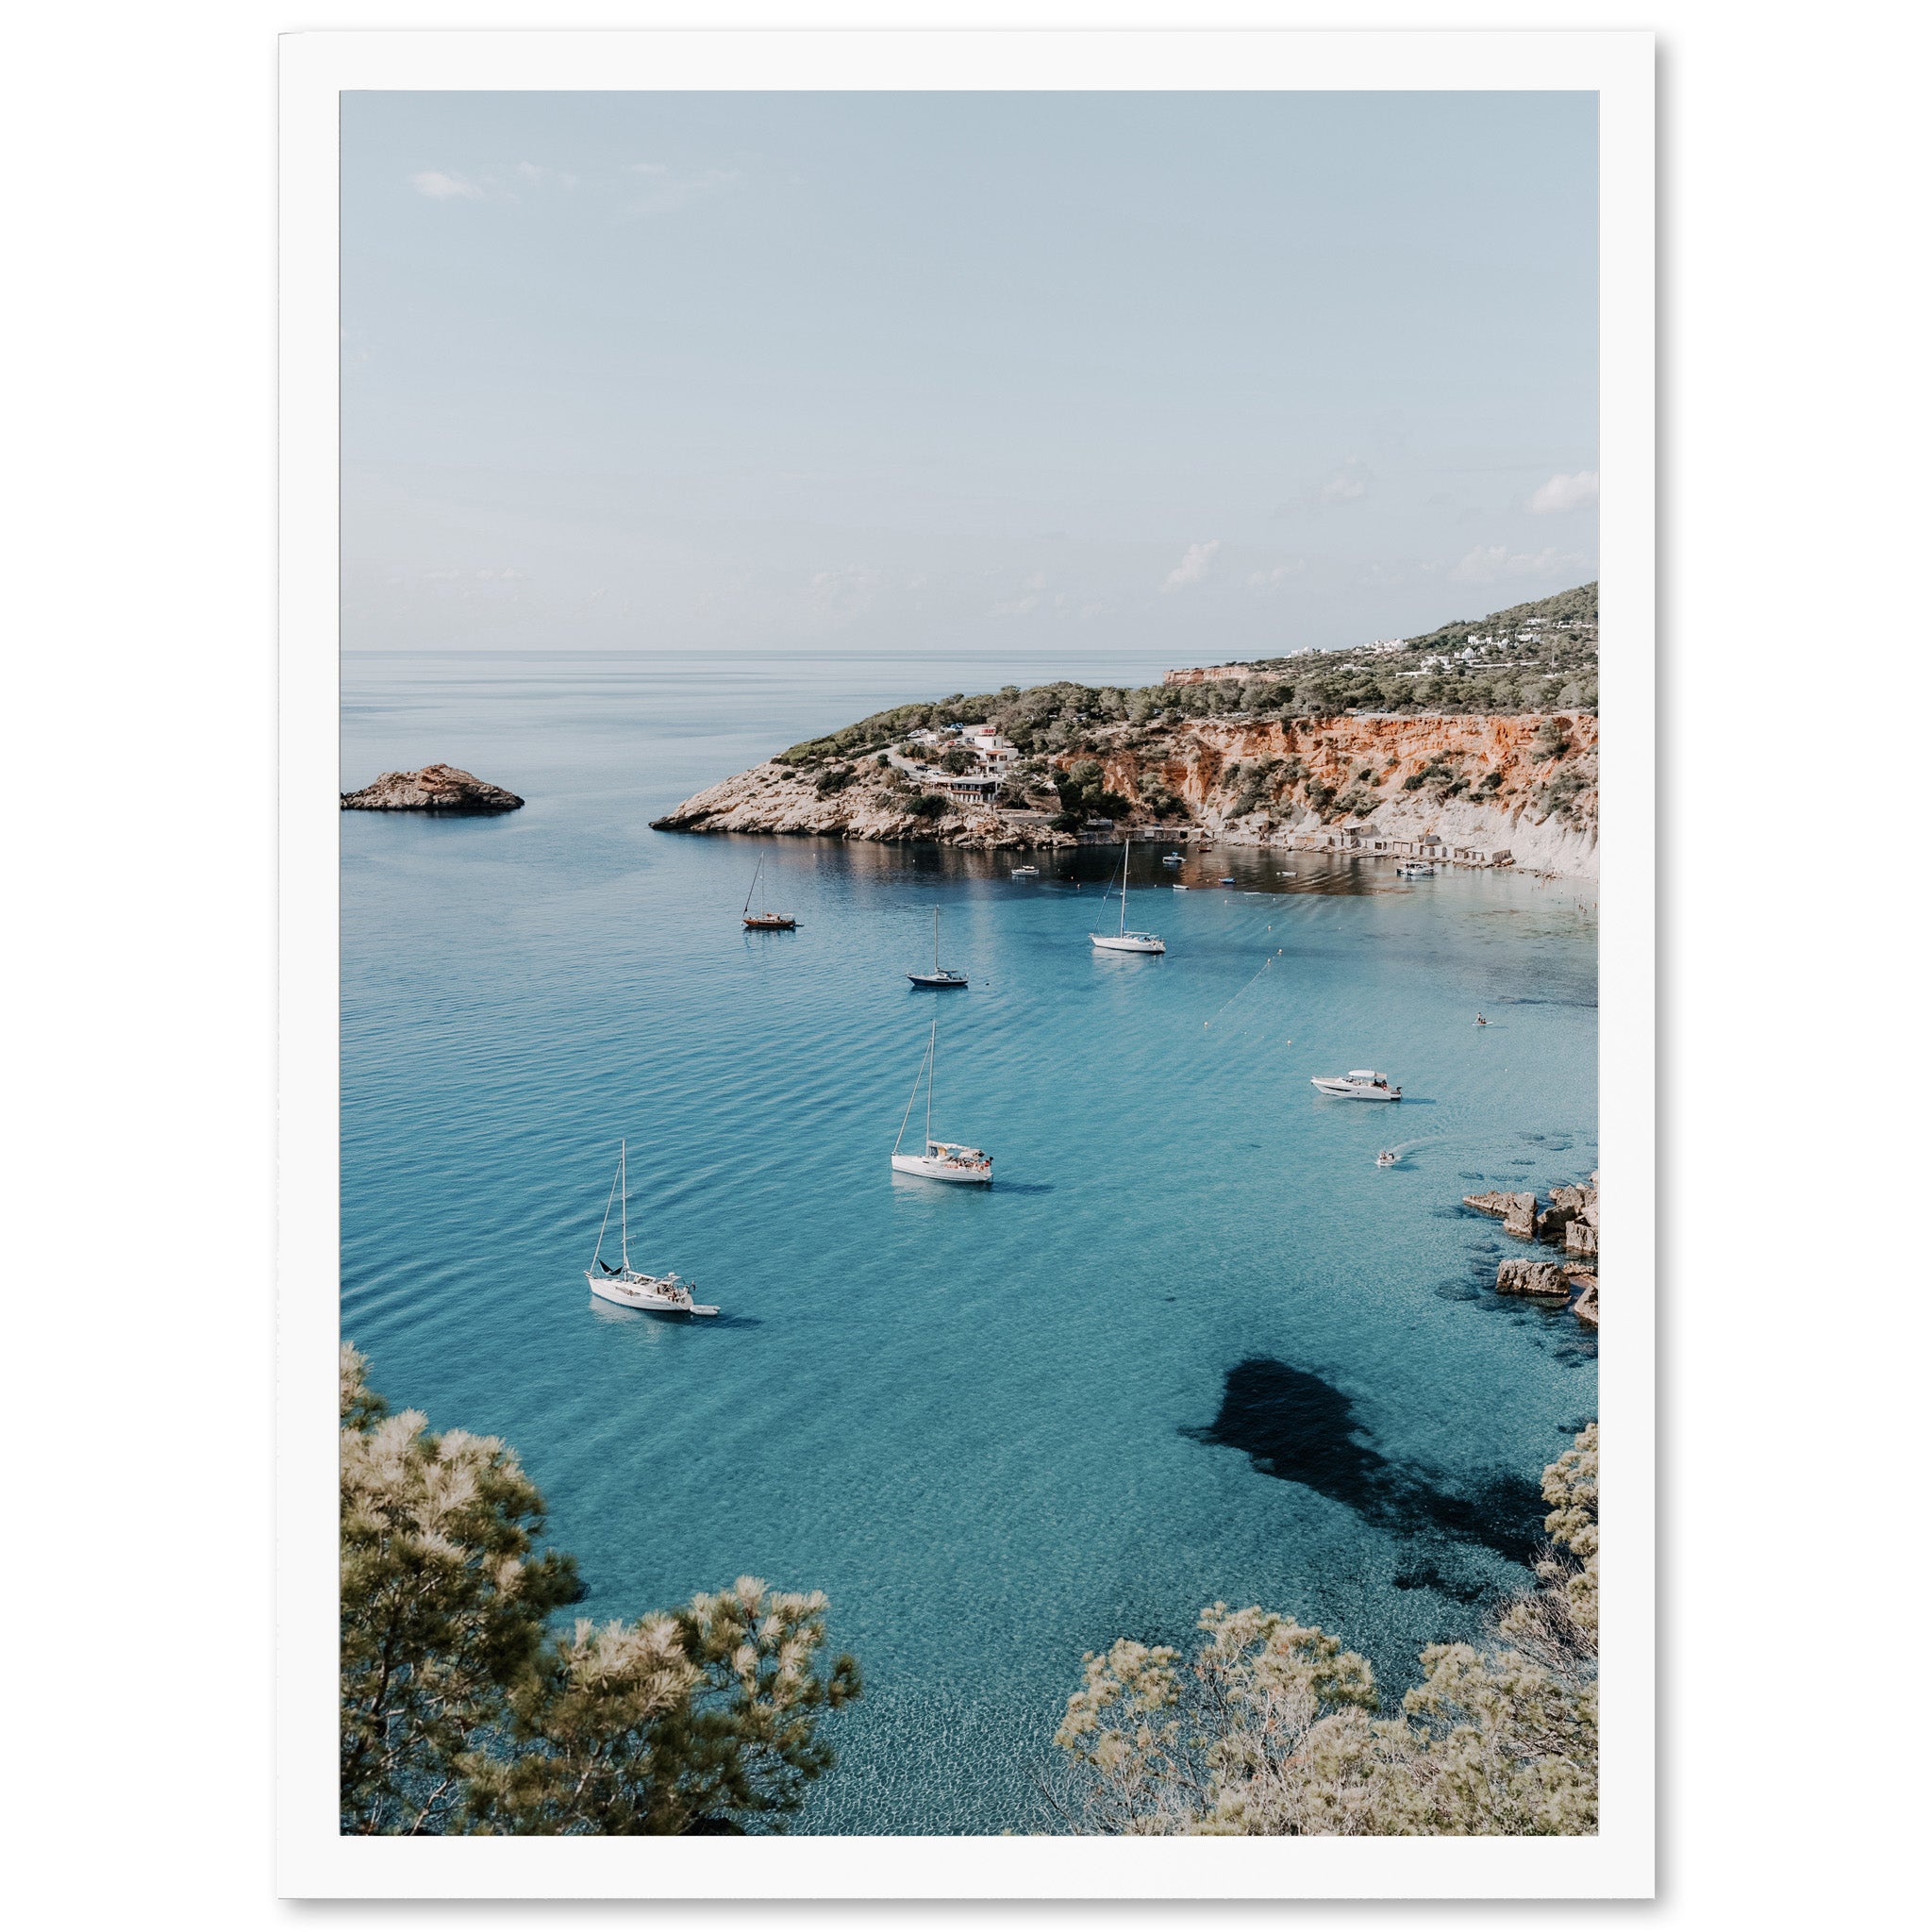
(1524, 786)
(1365, 752)
(436, 788)
(1569, 1222)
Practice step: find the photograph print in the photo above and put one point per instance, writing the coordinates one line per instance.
(969, 963)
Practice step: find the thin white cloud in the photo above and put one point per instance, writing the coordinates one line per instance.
(1564, 492)
(1281, 574)
(1347, 483)
(1194, 566)
(841, 593)
(440, 186)
(1494, 562)
(657, 188)
(542, 177)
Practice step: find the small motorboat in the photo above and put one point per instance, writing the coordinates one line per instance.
(1026, 872)
(940, 975)
(1178, 887)
(1227, 881)
(1170, 859)
(1385, 1158)
(1360, 1084)
(1415, 871)
(1284, 875)
(1480, 1021)
(628, 1286)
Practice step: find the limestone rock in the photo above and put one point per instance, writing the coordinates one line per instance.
(1517, 1212)
(867, 804)
(1579, 1238)
(1584, 1307)
(435, 789)
(1544, 1279)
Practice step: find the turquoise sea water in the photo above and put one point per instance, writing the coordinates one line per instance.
(1192, 1344)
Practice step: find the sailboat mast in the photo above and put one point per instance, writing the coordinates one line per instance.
(754, 885)
(623, 1204)
(1126, 846)
(935, 938)
(932, 1072)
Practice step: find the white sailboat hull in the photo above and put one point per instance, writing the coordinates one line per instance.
(933, 1169)
(1127, 941)
(645, 1293)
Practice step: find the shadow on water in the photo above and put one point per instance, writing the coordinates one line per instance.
(1024, 1187)
(1301, 1429)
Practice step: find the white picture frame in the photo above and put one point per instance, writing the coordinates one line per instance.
(314, 1860)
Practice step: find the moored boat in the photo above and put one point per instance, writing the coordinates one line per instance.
(940, 975)
(628, 1286)
(765, 920)
(1124, 941)
(940, 1160)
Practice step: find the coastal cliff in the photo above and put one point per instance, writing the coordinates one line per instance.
(1478, 740)
(1525, 785)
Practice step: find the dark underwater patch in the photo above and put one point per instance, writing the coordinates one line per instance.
(1298, 1428)
(1427, 1576)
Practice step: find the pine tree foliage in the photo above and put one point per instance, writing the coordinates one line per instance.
(1267, 1729)
(462, 1711)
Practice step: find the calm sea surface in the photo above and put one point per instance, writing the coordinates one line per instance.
(1192, 1344)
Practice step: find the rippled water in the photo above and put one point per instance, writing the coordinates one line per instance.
(1193, 1344)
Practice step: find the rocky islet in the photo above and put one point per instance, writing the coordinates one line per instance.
(444, 789)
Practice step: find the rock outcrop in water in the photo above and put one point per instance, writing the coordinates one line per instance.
(435, 789)
(1521, 1276)
(1517, 1212)
(1569, 1222)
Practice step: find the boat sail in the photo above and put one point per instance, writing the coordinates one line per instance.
(1124, 941)
(764, 919)
(940, 975)
(656, 1294)
(943, 1161)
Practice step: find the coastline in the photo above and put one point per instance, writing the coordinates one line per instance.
(1421, 805)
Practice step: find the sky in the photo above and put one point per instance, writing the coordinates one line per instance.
(1192, 375)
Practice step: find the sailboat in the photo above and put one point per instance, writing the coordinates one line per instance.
(765, 920)
(940, 975)
(656, 1294)
(1124, 941)
(943, 1161)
